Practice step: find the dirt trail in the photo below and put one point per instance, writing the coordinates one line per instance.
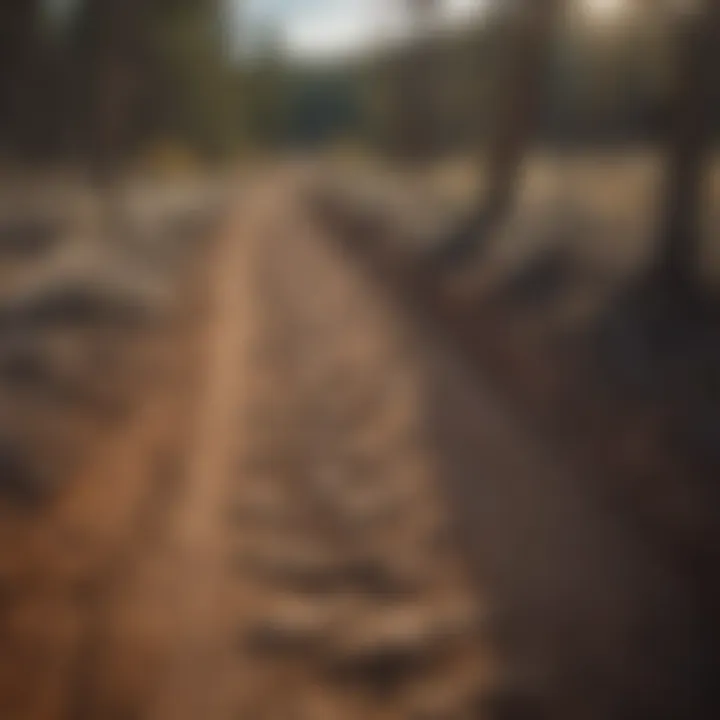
(285, 528)
(264, 538)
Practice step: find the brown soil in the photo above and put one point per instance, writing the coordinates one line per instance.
(264, 536)
(623, 400)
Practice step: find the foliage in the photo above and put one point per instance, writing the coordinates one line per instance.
(182, 86)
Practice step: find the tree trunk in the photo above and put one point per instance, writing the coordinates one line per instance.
(520, 86)
(689, 147)
(18, 26)
(118, 28)
(518, 102)
(418, 102)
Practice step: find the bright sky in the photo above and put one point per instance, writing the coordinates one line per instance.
(327, 29)
(331, 28)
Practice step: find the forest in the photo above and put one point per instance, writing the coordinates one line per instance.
(92, 78)
(368, 385)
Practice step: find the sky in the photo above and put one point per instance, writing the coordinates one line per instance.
(322, 29)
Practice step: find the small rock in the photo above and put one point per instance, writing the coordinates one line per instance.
(390, 647)
(296, 565)
(294, 625)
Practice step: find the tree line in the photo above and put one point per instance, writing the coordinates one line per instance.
(104, 77)
(96, 79)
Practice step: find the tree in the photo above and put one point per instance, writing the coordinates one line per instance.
(152, 71)
(99, 80)
(688, 146)
(109, 45)
(528, 33)
(519, 98)
(417, 94)
(265, 85)
(18, 34)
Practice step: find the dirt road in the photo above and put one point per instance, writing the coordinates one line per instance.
(264, 538)
(319, 512)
